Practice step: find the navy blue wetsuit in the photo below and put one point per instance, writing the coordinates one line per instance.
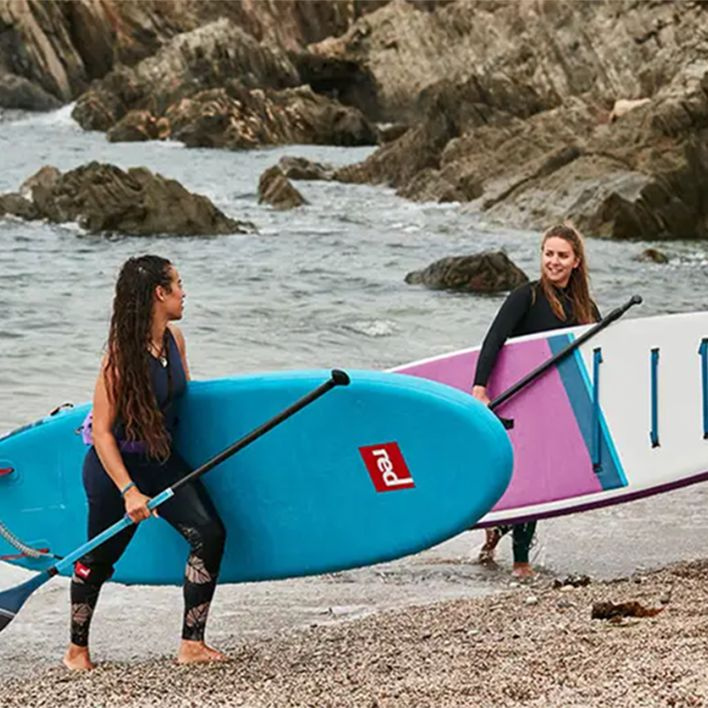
(190, 511)
(526, 310)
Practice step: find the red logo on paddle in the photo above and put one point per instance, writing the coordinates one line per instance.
(387, 468)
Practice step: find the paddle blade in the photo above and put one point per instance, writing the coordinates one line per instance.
(12, 600)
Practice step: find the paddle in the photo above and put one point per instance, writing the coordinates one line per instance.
(533, 375)
(12, 600)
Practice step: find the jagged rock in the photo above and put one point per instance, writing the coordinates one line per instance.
(18, 92)
(136, 126)
(432, 185)
(605, 121)
(486, 272)
(186, 92)
(599, 50)
(205, 58)
(61, 46)
(349, 82)
(38, 188)
(301, 168)
(550, 145)
(105, 198)
(447, 111)
(388, 132)
(109, 100)
(275, 189)
(652, 255)
(37, 46)
(235, 117)
(623, 105)
(15, 204)
(408, 50)
(400, 162)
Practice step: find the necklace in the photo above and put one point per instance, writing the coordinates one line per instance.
(159, 353)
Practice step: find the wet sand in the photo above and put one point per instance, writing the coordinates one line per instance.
(530, 644)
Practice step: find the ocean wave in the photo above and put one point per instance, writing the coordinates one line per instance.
(59, 117)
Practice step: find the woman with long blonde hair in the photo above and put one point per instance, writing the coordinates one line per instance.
(560, 298)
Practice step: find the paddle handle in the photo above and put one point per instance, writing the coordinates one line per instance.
(337, 378)
(533, 375)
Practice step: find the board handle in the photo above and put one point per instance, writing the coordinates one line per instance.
(654, 432)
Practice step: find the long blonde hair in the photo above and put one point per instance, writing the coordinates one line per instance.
(578, 288)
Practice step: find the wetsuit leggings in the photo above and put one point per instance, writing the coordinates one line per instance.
(522, 538)
(190, 511)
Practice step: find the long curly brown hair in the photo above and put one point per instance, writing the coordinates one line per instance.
(127, 367)
(578, 288)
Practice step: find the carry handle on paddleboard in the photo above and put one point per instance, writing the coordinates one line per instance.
(533, 375)
(12, 600)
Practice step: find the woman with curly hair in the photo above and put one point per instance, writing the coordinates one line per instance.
(561, 298)
(143, 373)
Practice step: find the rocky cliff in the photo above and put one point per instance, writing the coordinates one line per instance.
(50, 51)
(532, 111)
(537, 111)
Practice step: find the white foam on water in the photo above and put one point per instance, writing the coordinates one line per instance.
(59, 117)
(373, 328)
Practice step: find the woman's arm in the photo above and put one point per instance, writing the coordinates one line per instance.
(104, 417)
(182, 348)
(510, 314)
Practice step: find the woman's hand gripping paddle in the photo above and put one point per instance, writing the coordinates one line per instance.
(12, 600)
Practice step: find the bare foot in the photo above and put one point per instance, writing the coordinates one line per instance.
(192, 652)
(486, 553)
(522, 571)
(77, 658)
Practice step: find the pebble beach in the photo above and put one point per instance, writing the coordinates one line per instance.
(533, 644)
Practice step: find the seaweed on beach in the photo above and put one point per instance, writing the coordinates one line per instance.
(613, 611)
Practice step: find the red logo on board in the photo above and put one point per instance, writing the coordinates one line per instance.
(387, 468)
(81, 570)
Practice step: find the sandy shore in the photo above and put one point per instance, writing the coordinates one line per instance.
(533, 644)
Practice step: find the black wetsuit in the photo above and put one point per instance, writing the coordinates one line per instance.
(525, 311)
(190, 511)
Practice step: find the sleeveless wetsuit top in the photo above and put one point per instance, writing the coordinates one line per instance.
(168, 381)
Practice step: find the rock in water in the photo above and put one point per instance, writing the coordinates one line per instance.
(105, 198)
(486, 272)
(275, 189)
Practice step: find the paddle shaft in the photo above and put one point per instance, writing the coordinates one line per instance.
(338, 378)
(533, 375)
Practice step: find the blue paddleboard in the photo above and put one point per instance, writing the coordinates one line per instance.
(387, 466)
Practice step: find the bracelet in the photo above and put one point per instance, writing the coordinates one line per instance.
(128, 486)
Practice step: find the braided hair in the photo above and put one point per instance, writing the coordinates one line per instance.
(127, 366)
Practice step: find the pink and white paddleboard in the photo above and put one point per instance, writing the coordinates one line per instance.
(623, 416)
